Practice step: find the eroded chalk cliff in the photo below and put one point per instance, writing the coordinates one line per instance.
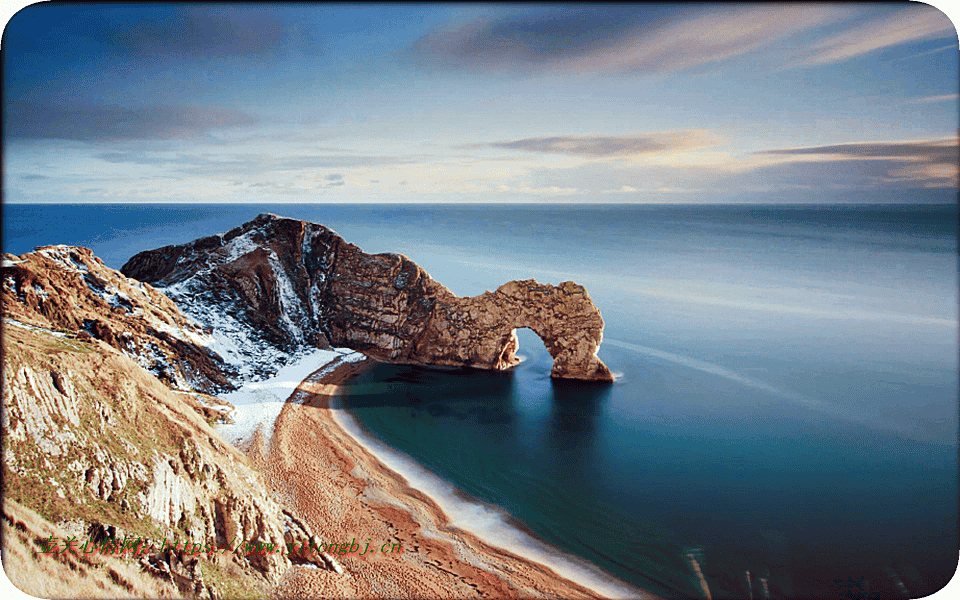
(106, 433)
(67, 288)
(290, 283)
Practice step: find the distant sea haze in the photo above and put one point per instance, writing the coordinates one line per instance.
(786, 395)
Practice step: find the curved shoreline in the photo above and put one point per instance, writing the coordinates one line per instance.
(483, 520)
(449, 535)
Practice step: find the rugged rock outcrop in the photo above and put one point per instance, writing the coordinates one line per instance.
(98, 439)
(475, 330)
(285, 284)
(68, 289)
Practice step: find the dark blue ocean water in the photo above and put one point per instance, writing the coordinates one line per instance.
(787, 393)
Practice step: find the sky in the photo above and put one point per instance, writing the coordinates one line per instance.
(453, 103)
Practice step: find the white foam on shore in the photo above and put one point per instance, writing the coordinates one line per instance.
(485, 521)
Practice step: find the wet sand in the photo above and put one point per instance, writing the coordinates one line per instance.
(336, 485)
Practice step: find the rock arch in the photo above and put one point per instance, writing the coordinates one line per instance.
(481, 331)
(300, 283)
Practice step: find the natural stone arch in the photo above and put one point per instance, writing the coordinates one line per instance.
(481, 331)
(303, 283)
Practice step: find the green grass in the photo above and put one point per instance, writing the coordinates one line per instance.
(231, 581)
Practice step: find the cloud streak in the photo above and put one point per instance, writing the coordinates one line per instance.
(931, 164)
(933, 151)
(199, 32)
(650, 39)
(934, 99)
(248, 164)
(107, 123)
(916, 23)
(606, 146)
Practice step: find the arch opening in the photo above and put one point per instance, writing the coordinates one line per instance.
(523, 343)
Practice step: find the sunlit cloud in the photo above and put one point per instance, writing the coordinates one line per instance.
(929, 164)
(917, 22)
(712, 38)
(644, 39)
(937, 151)
(552, 190)
(934, 99)
(620, 39)
(623, 189)
(612, 103)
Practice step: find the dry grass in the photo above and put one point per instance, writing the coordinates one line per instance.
(147, 420)
(68, 575)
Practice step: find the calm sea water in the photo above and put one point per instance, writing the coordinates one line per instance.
(787, 393)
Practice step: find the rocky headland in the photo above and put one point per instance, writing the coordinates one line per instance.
(111, 408)
(108, 432)
(295, 283)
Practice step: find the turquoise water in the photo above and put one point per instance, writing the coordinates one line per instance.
(787, 393)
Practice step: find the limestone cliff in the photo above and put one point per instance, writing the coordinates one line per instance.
(100, 441)
(475, 330)
(286, 284)
(69, 289)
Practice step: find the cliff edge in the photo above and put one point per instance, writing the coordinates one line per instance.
(107, 434)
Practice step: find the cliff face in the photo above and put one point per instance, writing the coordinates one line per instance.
(287, 284)
(69, 289)
(102, 435)
(474, 330)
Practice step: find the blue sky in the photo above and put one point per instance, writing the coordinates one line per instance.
(479, 103)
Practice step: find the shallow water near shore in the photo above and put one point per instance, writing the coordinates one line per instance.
(787, 393)
(468, 513)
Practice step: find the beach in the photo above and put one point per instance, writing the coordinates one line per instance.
(344, 492)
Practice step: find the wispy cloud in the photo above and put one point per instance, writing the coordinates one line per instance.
(914, 23)
(623, 189)
(552, 190)
(201, 163)
(712, 38)
(533, 40)
(933, 99)
(651, 39)
(633, 191)
(631, 38)
(606, 146)
(931, 163)
(202, 32)
(944, 150)
(332, 181)
(952, 47)
(104, 123)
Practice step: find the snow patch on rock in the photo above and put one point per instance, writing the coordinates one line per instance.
(258, 404)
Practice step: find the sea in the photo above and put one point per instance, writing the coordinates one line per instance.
(784, 420)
